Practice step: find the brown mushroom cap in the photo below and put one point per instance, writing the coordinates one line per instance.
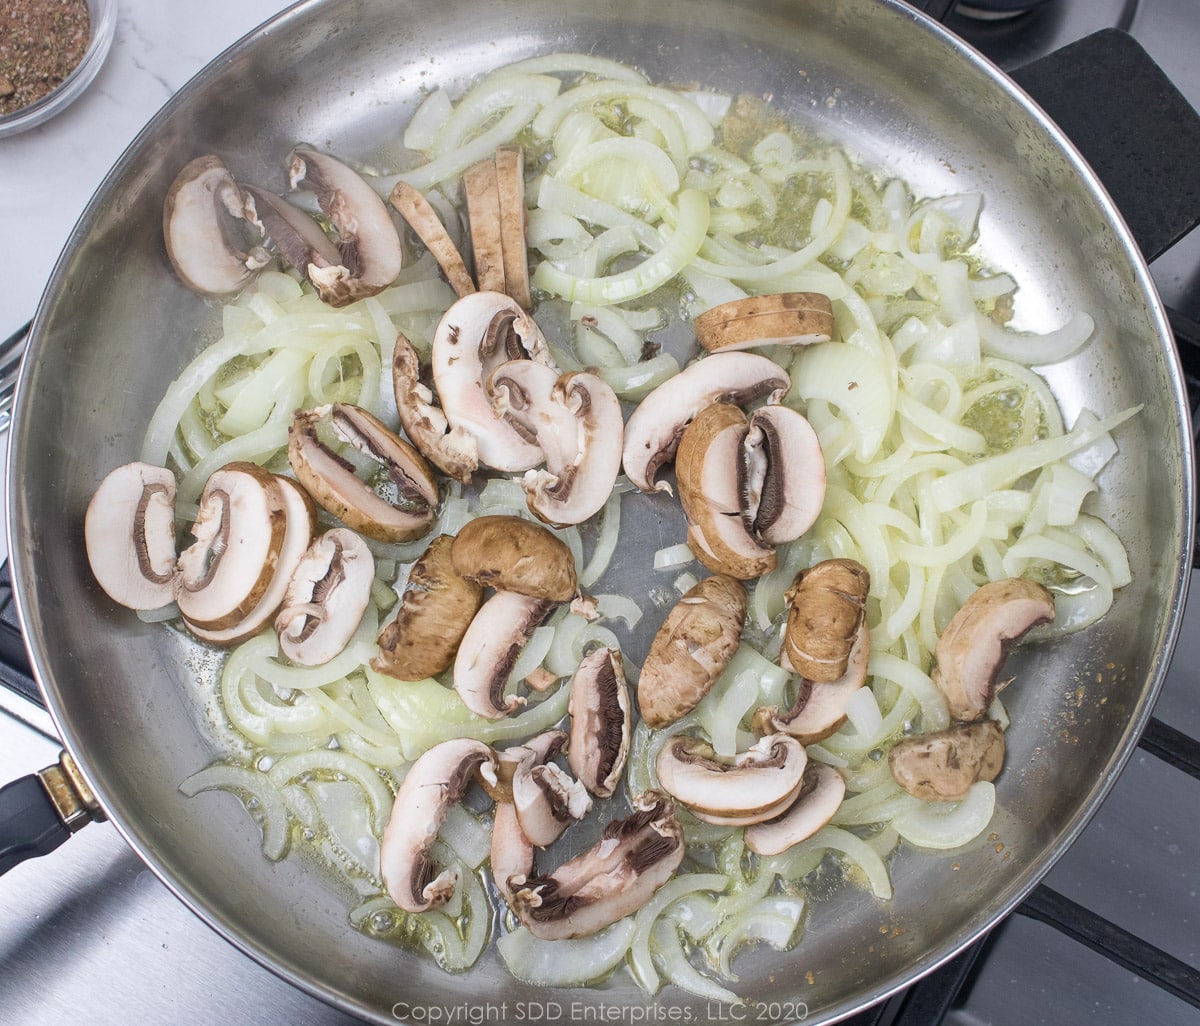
(826, 608)
(941, 766)
(483, 217)
(129, 531)
(611, 880)
(423, 219)
(435, 612)
(691, 649)
(785, 318)
(511, 554)
(510, 191)
(975, 643)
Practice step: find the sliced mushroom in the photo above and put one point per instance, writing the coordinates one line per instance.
(368, 243)
(399, 507)
(975, 643)
(300, 528)
(546, 798)
(941, 766)
(511, 554)
(576, 420)
(781, 475)
(438, 607)
(483, 216)
(298, 237)
(452, 450)
(129, 532)
(202, 205)
(611, 880)
(239, 532)
(326, 598)
(821, 794)
(691, 649)
(820, 708)
(786, 318)
(436, 781)
(512, 854)
(423, 219)
(707, 469)
(510, 191)
(489, 650)
(653, 431)
(475, 335)
(826, 608)
(601, 721)
(757, 785)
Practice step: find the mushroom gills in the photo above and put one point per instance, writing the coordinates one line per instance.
(490, 648)
(611, 880)
(438, 779)
(546, 798)
(975, 643)
(781, 475)
(601, 721)
(129, 534)
(326, 597)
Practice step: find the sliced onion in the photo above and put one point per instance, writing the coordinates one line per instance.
(945, 825)
(259, 794)
(565, 963)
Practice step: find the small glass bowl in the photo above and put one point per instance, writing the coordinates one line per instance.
(103, 15)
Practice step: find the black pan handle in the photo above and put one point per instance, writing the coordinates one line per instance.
(1132, 125)
(40, 811)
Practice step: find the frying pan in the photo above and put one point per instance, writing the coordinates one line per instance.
(131, 700)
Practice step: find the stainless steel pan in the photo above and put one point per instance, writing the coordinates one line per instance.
(116, 326)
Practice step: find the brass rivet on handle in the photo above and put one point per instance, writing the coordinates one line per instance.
(72, 797)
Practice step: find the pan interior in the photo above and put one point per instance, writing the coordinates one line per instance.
(116, 327)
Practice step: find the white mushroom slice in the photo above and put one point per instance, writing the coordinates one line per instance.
(129, 531)
(757, 785)
(239, 531)
(975, 643)
(202, 204)
(827, 604)
(512, 554)
(820, 708)
(691, 649)
(510, 191)
(398, 506)
(423, 219)
(368, 243)
(601, 721)
(707, 469)
(820, 796)
(653, 431)
(298, 237)
(512, 854)
(522, 393)
(475, 335)
(782, 475)
(546, 798)
(326, 598)
(452, 450)
(489, 650)
(941, 766)
(483, 217)
(611, 880)
(301, 526)
(437, 780)
(435, 612)
(786, 318)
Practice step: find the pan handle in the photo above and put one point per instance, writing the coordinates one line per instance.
(40, 811)
(1132, 125)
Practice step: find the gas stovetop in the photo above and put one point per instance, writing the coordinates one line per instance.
(1110, 937)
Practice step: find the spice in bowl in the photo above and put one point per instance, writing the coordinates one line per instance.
(42, 42)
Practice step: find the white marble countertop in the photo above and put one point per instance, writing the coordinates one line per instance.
(48, 174)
